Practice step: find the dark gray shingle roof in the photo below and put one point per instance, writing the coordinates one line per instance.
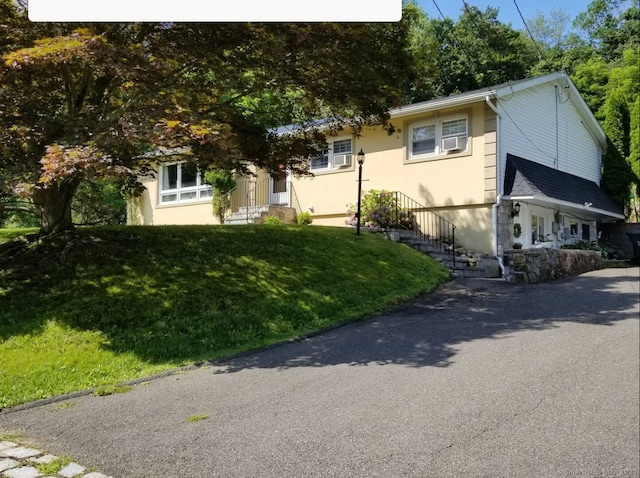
(528, 178)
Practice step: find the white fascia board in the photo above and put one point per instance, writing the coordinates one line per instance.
(508, 89)
(568, 205)
(472, 97)
(438, 104)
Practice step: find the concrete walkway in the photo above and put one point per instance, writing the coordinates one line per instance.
(482, 378)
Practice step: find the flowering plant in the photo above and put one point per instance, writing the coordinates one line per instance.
(380, 210)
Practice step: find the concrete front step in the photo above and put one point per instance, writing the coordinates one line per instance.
(251, 210)
(253, 215)
(468, 272)
(459, 269)
(234, 221)
(464, 267)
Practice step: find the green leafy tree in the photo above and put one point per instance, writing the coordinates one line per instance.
(592, 80)
(609, 24)
(473, 52)
(99, 202)
(558, 45)
(222, 182)
(550, 32)
(420, 84)
(93, 100)
(634, 143)
(617, 177)
(617, 122)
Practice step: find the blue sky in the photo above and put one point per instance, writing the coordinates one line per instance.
(508, 11)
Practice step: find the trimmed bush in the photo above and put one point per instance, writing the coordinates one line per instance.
(304, 218)
(272, 220)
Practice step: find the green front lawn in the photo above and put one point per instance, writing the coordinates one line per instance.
(126, 302)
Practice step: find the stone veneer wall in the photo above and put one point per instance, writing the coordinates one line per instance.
(286, 214)
(536, 265)
(505, 227)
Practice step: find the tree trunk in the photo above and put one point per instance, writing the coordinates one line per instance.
(53, 207)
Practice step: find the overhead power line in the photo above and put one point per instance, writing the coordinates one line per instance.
(535, 43)
(441, 14)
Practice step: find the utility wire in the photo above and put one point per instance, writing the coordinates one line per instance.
(457, 44)
(520, 129)
(466, 7)
(471, 66)
(528, 31)
(441, 14)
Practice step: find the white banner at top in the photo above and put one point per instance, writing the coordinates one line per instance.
(215, 11)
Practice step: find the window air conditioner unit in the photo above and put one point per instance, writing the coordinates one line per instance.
(451, 144)
(340, 160)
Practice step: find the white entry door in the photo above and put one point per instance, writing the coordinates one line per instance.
(280, 189)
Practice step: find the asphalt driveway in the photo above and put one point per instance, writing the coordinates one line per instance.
(482, 378)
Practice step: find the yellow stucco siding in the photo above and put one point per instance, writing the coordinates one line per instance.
(146, 210)
(444, 180)
(473, 226)
(459, 180)
(458, 185)
(200, 213)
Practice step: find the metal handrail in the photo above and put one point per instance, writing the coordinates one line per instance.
(250, 196)
(399, 211)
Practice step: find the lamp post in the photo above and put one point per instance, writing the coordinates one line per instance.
(360, 162)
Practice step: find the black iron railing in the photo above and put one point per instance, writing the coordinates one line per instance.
(398, 211)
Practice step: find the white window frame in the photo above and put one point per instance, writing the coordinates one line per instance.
(571, 237)
(202, 191)
(329, 153)
(439, 136)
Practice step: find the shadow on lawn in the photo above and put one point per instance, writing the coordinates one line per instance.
(163, 311)
(429, 331)
(183, 295)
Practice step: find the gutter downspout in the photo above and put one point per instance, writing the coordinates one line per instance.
(499, 186)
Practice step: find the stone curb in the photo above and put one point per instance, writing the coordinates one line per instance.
(18, 461)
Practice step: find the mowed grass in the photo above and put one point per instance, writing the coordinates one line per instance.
(126, 302)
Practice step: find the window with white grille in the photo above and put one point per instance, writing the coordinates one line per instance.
(180, 183)
(438, 137)
(336, 155)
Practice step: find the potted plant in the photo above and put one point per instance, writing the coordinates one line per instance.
(517, 245)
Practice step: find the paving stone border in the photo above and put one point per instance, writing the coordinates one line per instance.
(18, 461)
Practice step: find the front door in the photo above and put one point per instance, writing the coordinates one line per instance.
(280, 188)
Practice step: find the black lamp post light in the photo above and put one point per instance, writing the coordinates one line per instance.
(360, 163)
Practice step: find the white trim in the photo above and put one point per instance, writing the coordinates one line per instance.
(439, 104)
(438, 137)
(557, 202)
(330, 155)
(508, 89)
(203, 192)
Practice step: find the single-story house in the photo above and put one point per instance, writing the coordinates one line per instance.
(515, 163)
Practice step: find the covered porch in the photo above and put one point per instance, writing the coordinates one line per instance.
(548, 208)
